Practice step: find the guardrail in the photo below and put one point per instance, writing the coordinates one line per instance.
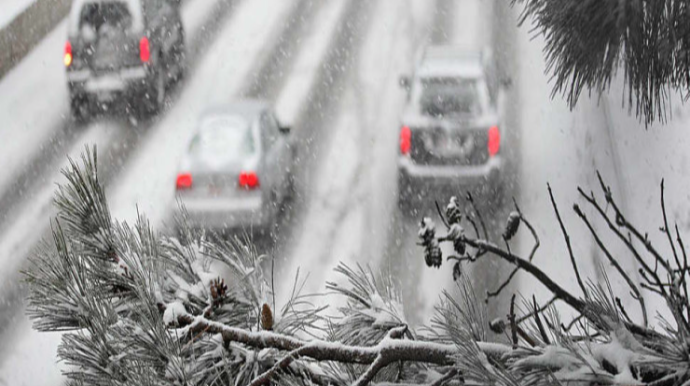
(27, 29)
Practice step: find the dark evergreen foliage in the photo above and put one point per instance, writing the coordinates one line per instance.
(588, 41)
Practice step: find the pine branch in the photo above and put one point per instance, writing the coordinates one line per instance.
(587, 41)
(392, 349)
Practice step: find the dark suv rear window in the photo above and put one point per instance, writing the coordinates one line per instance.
(112, 14)
(447, 96)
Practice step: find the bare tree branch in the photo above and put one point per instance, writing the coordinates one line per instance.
(614, 262)
(667, 231)
(566, 236)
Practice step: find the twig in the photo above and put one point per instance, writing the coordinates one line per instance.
(666, 230)
(474, 225)
(572, 323)
(479, 215)
(684, 272)
(552, 286)
(675, 306)
(622, 309)
(490, 294)
(537, 273)
(445, 378)
(537, 243)
(614, 262)
(371, 372)
(540, 310)
(624, 223)
(626, 241)
(540, 326)
(566, 236)
(440, 214)
(513, 325)
(652, 289)
(266, 376)
(273, 290)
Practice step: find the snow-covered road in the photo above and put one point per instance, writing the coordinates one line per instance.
(332, 69)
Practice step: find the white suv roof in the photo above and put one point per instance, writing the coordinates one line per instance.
(450, 61)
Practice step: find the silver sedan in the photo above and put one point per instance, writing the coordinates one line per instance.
(238, 169)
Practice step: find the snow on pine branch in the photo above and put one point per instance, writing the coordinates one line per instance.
(142, 308)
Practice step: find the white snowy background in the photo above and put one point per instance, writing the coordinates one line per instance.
(347, 209)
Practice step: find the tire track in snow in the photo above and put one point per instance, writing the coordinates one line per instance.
(337, 227)
(312, 119)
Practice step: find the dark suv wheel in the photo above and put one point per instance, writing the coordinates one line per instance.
(153, 98)
(79, 106)
(178, 56)
(405, 196)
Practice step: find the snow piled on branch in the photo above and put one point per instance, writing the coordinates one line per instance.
(173, 311)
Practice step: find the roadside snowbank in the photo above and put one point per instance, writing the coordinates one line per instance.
(11, 9)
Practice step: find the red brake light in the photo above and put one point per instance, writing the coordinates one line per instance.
(184, 181)
(405, 140)
(248, 180)
(68, 54)
(144, 49)
(494, 142)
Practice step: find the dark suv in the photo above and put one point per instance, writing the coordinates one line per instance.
(450, 132)
(117, 49)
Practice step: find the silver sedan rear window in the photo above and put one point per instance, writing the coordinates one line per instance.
(224, 137)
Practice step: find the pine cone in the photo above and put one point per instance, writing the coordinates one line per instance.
(511, 226)
(266, 318)
(433, 256)
(457, 271)
(432, 252)
(456, 234)
(498, 326)
(218, 290)
(459, 246)
(453, 213)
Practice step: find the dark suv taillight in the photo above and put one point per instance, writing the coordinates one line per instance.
(144, 50)
(405, 140)
(68, 54)
(494, 142)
